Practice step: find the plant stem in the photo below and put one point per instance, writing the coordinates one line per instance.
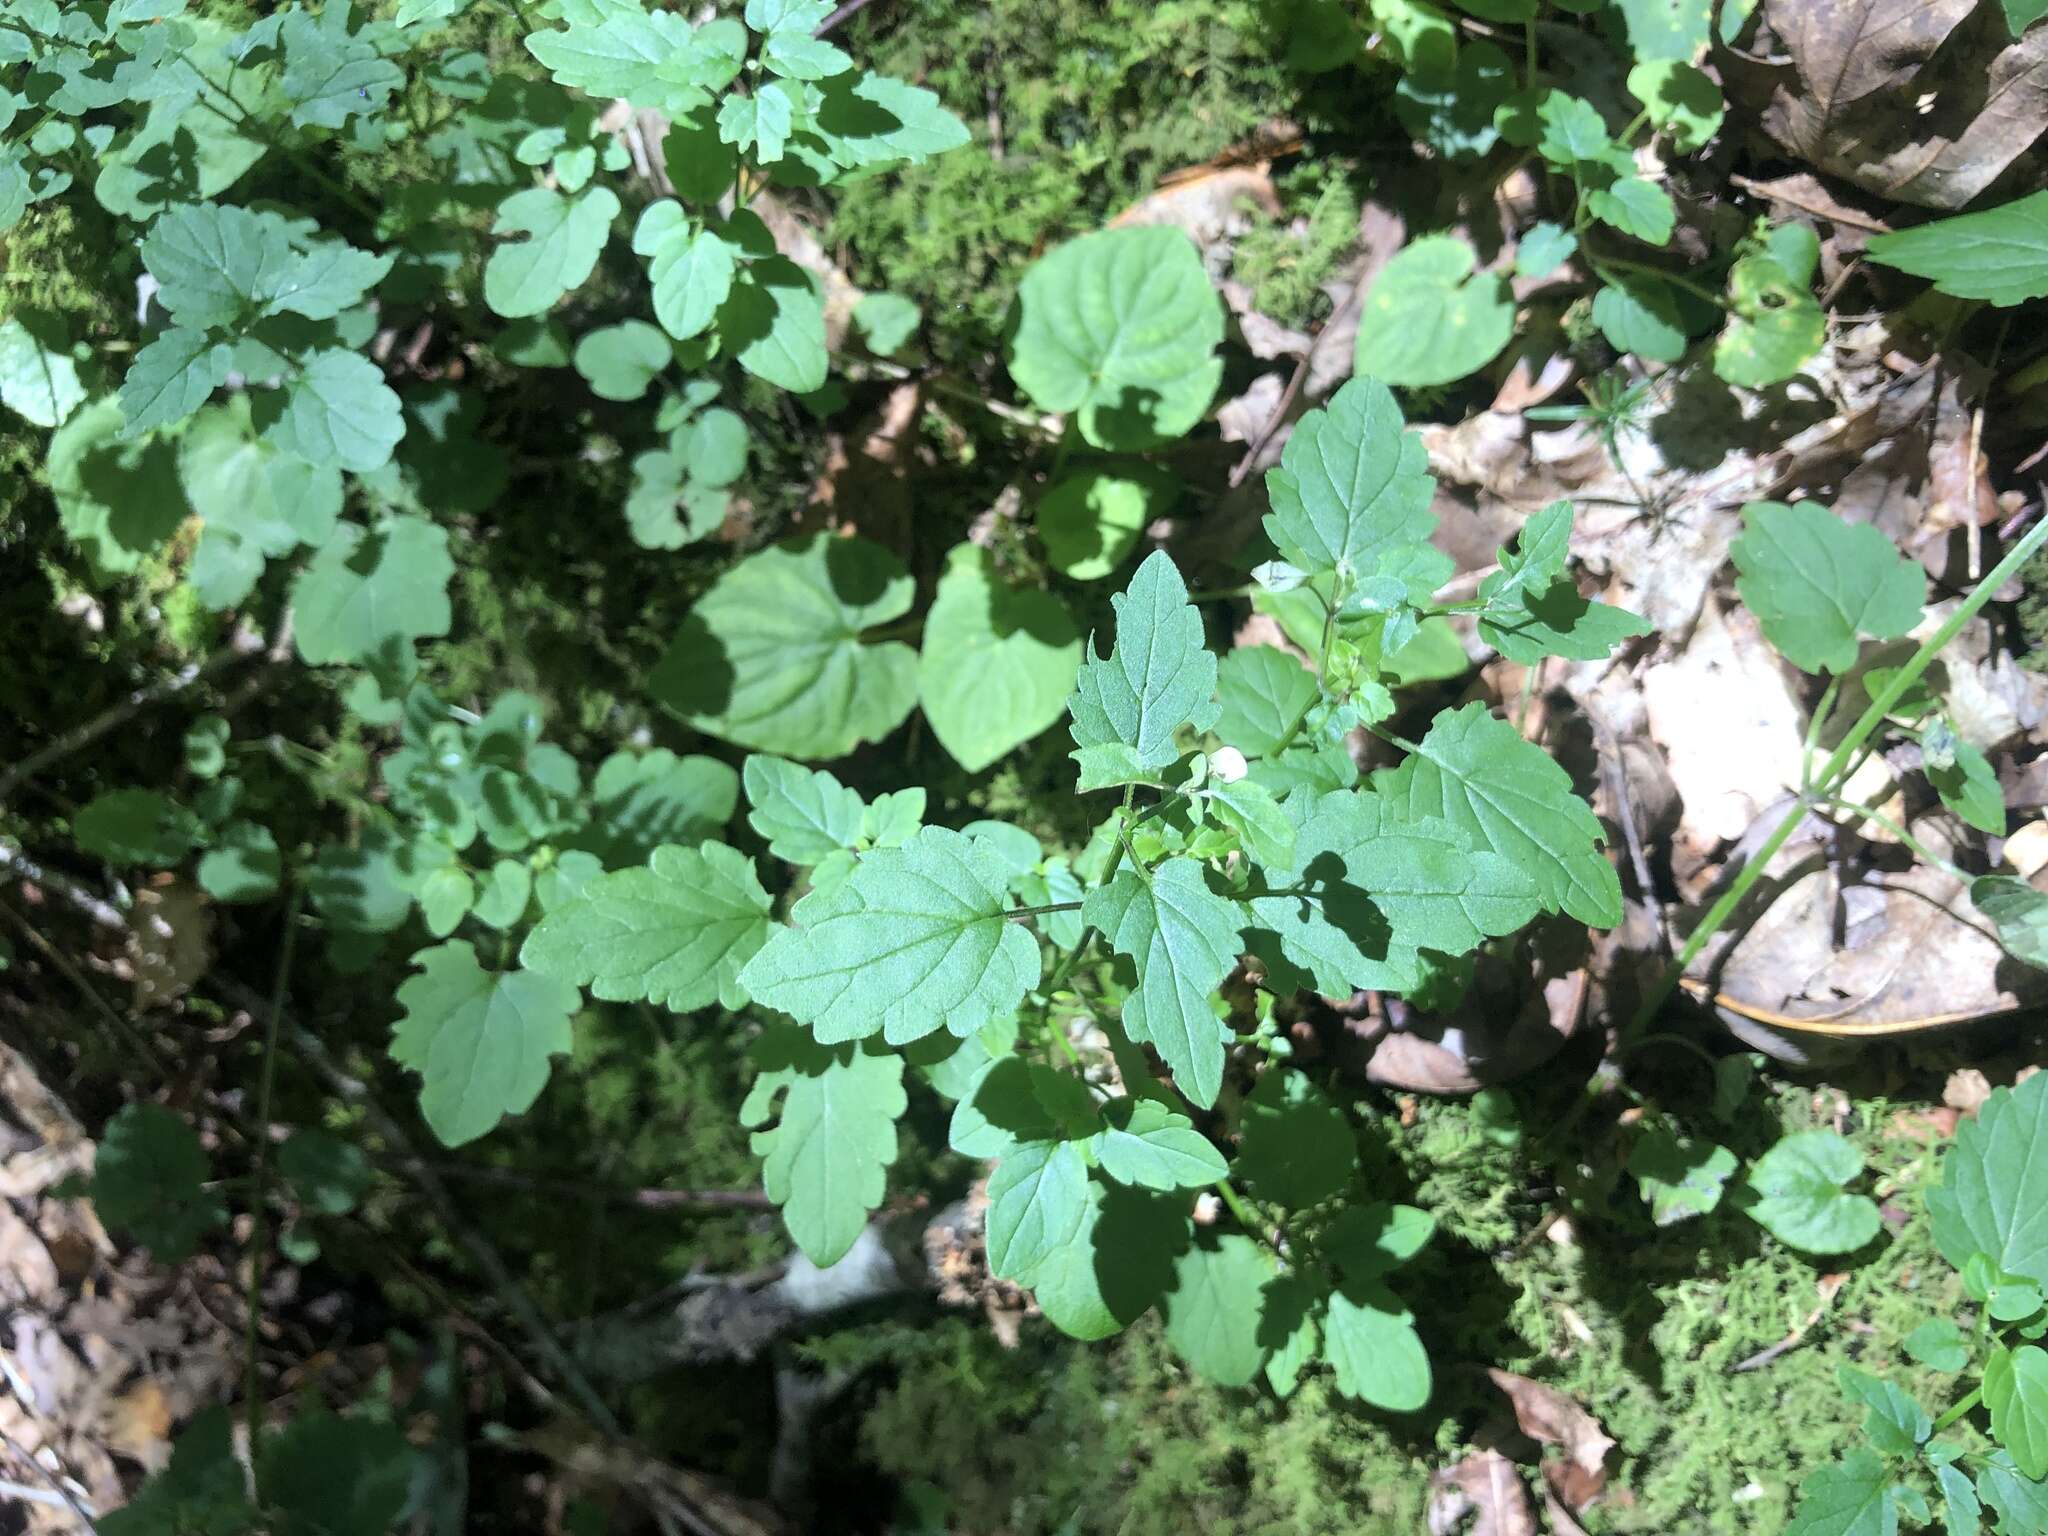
(1813, 729)
(1920, 849)
(1067, 961)
(1961, 1406)
(1830, 775)
(252, 1374)
(1018, 914)
(1246, 1216)
(1697, 290)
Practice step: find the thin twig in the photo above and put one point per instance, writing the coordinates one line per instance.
(642, 1199)
(246, 643)
(1265, 433)
(259, 1222)
(845, 12)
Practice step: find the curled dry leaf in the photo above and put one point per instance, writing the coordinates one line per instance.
(1486, 1488)
(1547, 1415)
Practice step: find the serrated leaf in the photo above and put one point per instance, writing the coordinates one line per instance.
(1573, 134)
(330, 74)
(645, 799)
(1983, 1204)
(675, 932)
(872, 120)
(887, 322)
(244, 488)
(1639, 313)
(826, 1156)
(136, 826)
(1680, 1178)
(1817, 584)
(773, 322)
(1290, 1312)
(118, 500)
(914, 939)
(1666, 29)
(998, 661)
(367, 587)
(1938, 1344)
(1352, 485)
(1368, 1241)
(1154, 1148)
(1795, 1191)
(1182, 938)
(1117, 1264)
(1214, 1308)
(1637, 207)
(1262, 694)
(149, 1180)
(806, 814)
(216, 265)
(2019, 912)
(1961, 1512)
(170, 378)
(1369, 1340)
(481, 1041)
(1533, 607)
(2021, 1502)
(1090, 521)
(1999, 255)
(772, 656)
(797, 55)
(337, 411)
(1896, 1424)
(1682, 101)
(1544, 248)
(1295, 1146)
(1847, 1499)
(566, 236)
(2016, 1393)
(1431, 318)
(1968, 785)
(1120, 328)
(1037, 1202)
(760, 121)
(38, 380)
(656, 60)
(1017, 1101)
(242, 865)
(1128, 706)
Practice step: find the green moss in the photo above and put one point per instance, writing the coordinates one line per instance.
(1285, 266)
(2033, 613)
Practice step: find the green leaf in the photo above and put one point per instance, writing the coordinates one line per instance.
(805, 813)
(645, 799)
(692, 269)
(1352, 485)
(1896, 1424)
(1938, 1344)
(1117, 1264)
(1639, 313)
(1290, 1327)
(246, 489)
(1128, 706)
(620, 361)
(149, 1180)
(1983, 1204)
(772, 656)
(1295, 1146)
(136, 826)
(1015, 1102)
(1635, 206)
(328, 1175)
(761, 121)
(1964, 778)
(654, 59)
(2019, 912)
(1120, 327)
(1573, 134)
(566, 235)
(1150, 1146)
(1816, 583)
(1037, 1202)
(825, 1157)
(38, 380)
(367, 587)
(1961, 1513)
(203, 1489)
(337, 413)
(1999, 255)
(480, 1040)
(336, 1476)
(1543, 248)
(675, 932)
(1667, 29)
(2021, 1502)
(1369, 1340)
(2022, 14)
(1090, 521)
(998, 661)
(1263, 693)
(1182, 937)
(871, 120)
(171, 377)
(242, 865)
(1367, 891)
(2016, 1392)
(1775, 324)
(1430, 318)
(887, 322)
(1680, 100)
(1795, 1192)
(1368, 1241)
(1847, 1499)
(1533, 608)
(1213, 1310)
(118, 500)
(217, 265)
(1679, 1177)
(330, 73)
(774, 323)
(914, 938)
(1512, 799)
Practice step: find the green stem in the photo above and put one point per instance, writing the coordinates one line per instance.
(1697, 290)
(1066, 962)
(1018, 914)
(1920, 849)
(1961, 1406)
(1830, 774)
(1814, 728)
(252, 1379)
(1246, 1216)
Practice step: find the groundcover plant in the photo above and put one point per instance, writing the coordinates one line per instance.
(461, 501)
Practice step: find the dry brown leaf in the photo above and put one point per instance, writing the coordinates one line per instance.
(169, 945)
(1966, 1090)
(1548, 1415)
(1485, 1487)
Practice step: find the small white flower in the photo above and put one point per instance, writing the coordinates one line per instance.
(1227, 765)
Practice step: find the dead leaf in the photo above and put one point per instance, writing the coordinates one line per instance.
(1546, 1414)
(1210, 205)
(1966, 1090)
(169, 944)
(1486, 1487)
